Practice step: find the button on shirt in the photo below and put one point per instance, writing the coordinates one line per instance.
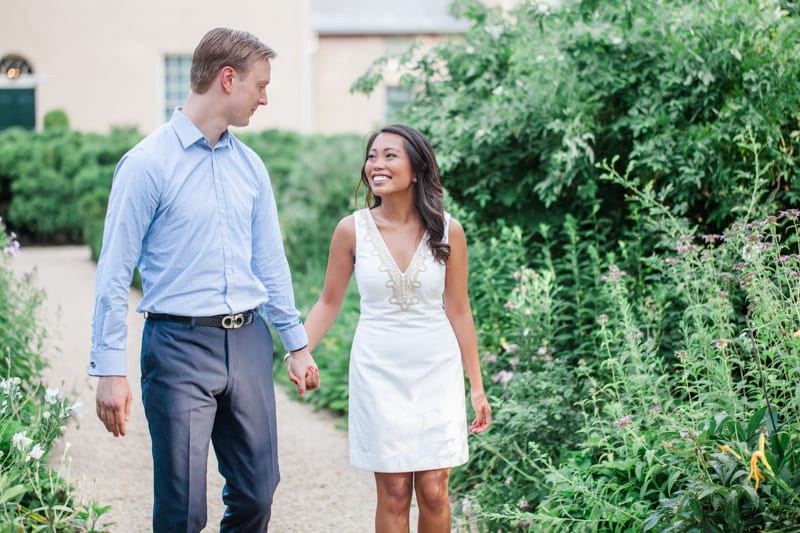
(201, 224)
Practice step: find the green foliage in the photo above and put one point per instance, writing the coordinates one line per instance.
(522, 107)
(43, 203)
(315, 179)
(92, 183)
(673, 441)
(20, 337)
(32, 496)
(673, 337)
(56, 119)
(54, 184)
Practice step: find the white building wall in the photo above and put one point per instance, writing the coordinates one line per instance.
(102, 61)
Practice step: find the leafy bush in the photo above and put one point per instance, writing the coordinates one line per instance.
(92, 183)
(20, 340)
(32, 496)
(315, 178)
(56, 119)
(702, 438)
(43, 205)
(54, 184)
(522, 107)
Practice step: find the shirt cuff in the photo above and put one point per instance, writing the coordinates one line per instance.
(108, 363)
(294, 338)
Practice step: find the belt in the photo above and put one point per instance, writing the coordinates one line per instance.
(218, 321)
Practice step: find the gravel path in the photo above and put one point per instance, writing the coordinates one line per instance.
(319, 490)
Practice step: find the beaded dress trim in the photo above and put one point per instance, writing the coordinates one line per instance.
(404, 285)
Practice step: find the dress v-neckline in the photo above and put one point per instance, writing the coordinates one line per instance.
(389, 252)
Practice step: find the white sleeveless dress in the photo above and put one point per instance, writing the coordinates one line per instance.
(407, 409)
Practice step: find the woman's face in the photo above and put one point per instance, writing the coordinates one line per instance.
(388, 167)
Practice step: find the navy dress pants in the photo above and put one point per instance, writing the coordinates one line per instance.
(202, 384)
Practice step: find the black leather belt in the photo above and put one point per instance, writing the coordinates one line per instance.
(218, 321)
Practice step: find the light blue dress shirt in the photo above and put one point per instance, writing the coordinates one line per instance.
(201, 224)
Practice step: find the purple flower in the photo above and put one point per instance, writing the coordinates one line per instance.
(623, 421)
(720, 344)
(504, 376)
(614, 274)
(12, 248)
(512, 347)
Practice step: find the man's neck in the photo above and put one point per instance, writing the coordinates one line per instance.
(204, 113)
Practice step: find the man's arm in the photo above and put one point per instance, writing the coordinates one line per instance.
(131, 206)
(272, 268)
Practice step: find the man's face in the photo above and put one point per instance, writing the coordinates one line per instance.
(249, 91)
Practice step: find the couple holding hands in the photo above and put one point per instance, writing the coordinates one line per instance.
(193, 208)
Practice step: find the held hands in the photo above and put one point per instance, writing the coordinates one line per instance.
(483, 412)
(302, 370)
(113, 403)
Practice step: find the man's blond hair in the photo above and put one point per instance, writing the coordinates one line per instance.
(224, 47)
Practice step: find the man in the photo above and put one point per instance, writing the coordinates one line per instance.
(193, 208)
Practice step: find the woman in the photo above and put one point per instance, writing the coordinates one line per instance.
(415, 336)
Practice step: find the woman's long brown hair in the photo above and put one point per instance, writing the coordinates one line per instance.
(428, 190)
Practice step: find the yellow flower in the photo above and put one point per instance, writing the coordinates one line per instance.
(755, 474)
(726, 448)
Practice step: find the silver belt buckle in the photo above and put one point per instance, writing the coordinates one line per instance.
(233, 321)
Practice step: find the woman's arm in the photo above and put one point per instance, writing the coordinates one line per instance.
(457, 308)
(337, 278)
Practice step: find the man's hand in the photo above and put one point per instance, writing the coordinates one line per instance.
(302, 371)
(114, 403)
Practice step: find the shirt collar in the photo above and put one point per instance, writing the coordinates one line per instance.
(189, 134)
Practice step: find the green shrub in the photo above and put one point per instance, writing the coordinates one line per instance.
(676, 441)
(20, 339)
(315, 178)
(521, 108)
(32, 496)
(56, 119)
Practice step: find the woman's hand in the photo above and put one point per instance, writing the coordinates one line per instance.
(302, 370)
(483, 412)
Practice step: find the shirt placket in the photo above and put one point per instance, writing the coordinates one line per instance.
(223, 212)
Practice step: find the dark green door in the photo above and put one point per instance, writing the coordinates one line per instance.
(17, 108)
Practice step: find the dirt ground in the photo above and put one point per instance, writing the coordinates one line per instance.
(319, 491)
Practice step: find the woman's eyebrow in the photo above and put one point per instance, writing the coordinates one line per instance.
(384, 149)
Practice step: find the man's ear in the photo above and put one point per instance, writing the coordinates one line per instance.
(226, 75)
